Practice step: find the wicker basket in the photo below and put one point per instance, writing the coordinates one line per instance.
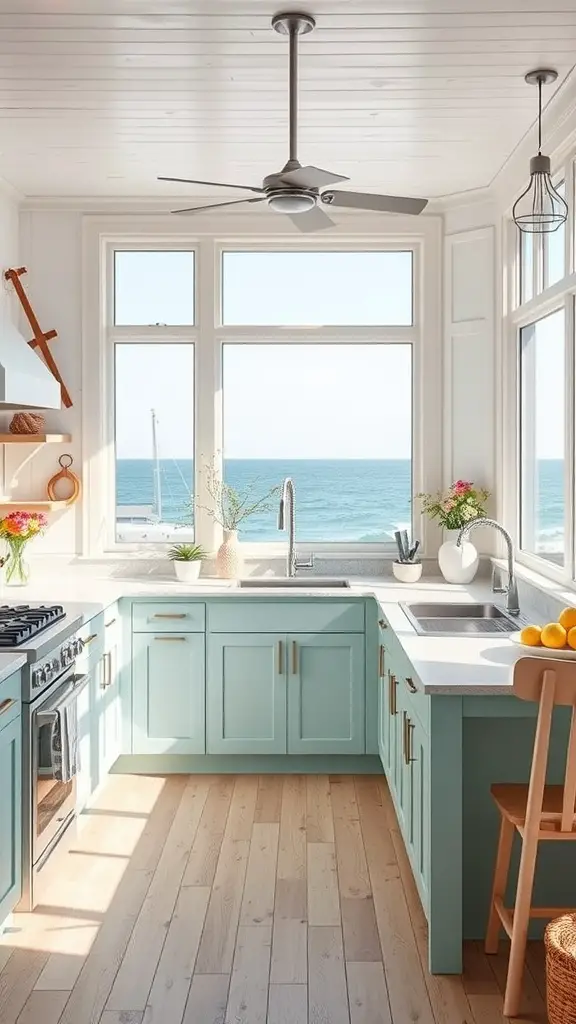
(27, 423)
(560, 942)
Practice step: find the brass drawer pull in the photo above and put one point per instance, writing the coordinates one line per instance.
(171, 639)
(411, 685)
(381, 661)
(6, 705)
(89, 639)
(280, 658)
(170, 615)
(408, 729)
(108, 624)
(294, 658)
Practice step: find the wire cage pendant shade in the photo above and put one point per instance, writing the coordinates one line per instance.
(540, 209)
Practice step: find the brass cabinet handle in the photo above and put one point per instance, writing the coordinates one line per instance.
(106, 671)
(404, 723)
(280, 658)
(411, 685)
(108, 624)
(392, 683)
(6, 705)
(169, 615)
(381, 661)
(171, 639)
(89, 639)
(408, 729)
(382, 623)
(294, 658)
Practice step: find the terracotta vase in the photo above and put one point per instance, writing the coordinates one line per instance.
(228, 557)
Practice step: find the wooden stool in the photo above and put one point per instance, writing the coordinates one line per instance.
(537, 811)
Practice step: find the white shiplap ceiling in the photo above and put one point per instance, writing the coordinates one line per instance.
(422, 97)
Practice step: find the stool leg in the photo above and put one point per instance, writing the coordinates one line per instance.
(520, 924)
(501, 868)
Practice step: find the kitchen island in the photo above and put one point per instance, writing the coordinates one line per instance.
(213, 678)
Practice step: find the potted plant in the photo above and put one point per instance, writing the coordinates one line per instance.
(453, 509)
(229, 508)
(187, 559)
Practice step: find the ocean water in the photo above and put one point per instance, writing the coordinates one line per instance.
(336, 499)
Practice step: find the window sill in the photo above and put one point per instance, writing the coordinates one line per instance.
(559, 590)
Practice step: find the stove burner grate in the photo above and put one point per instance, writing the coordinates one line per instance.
(20, 623)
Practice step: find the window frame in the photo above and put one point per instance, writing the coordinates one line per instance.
(103, 236)
(518, 315)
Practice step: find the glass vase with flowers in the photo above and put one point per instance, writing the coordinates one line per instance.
(17, 529)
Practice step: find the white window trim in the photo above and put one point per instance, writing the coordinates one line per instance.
(101, 235)
(517, 315)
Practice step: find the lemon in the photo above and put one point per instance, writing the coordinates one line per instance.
(554, 635)
(532, 636)
(572, 638)
(567, 618)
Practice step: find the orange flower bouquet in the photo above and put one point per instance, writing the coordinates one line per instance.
(17, 529)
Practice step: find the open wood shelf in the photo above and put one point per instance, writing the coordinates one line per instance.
(34, 438)
(34, 506)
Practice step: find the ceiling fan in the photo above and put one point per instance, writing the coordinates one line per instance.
(295, 190)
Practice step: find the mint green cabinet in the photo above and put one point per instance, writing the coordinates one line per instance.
(246, 693)
(10, 815)
(326, 694)
(168, 687)
(109, 710)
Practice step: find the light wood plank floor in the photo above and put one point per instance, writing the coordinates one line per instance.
(241, 900)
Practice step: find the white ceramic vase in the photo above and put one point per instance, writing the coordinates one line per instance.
(407, 572)
(187, 572)
(458, 564)
(228, 557)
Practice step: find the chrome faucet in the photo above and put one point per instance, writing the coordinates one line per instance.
(288, 497)
(511, 590)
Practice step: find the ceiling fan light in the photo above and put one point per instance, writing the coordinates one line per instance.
(291, 202)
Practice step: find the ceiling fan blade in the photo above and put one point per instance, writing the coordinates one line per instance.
(311, 177)
(313, 220)
(219, 184)
(369, 201)
(216, 206)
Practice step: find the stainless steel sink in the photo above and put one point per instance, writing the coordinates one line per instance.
(315, 583)
(443, 619)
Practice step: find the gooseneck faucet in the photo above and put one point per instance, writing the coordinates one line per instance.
(511, 589)
(288, 497)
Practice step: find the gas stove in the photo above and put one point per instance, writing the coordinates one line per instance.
(19, 623)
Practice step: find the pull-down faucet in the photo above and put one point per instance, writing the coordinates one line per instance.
(288, 497)
(511, 590)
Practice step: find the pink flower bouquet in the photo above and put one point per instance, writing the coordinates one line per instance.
(457, 506)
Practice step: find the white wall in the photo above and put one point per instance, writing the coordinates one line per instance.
(51, 249)
(471, 351)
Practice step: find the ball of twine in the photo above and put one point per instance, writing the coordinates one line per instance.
(27, 423)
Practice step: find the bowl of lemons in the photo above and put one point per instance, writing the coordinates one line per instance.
(553, 640)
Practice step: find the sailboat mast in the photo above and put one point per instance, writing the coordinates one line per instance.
(157, 480)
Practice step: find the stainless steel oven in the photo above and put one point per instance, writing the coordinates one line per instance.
(53, 802)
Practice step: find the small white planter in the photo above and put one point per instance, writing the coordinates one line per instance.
(187, 572)
(407, 572)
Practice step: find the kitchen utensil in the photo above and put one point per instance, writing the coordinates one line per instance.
(406, 545)
(413, 550)
(399, 545)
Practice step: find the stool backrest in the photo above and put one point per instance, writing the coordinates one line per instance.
(551, 683)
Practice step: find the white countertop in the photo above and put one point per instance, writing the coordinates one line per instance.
(10, 663)
(444, 665)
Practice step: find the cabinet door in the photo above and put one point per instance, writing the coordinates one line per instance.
(10, 816)
(88, 768)
(326, 694)
(417, 750)
(168, 688)
(246, 686)
(109, 711)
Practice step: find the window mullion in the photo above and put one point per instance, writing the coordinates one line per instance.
(208, 435)
(569, 417)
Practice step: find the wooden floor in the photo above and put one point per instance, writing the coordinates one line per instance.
(244, 900)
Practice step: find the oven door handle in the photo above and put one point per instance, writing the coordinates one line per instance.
(79, 683)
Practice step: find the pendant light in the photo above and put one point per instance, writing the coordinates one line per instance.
(540, 209)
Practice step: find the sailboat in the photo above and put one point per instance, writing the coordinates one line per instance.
(144, 522)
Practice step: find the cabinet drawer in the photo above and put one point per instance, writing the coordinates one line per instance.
(168, 617)
(10, 699)
(241, 616)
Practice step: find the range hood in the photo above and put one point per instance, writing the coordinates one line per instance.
(25, 380)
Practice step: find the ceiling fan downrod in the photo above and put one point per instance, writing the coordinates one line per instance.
(293, 24)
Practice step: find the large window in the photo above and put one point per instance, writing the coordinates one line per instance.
(337, 419)
(538, 480)
(258, 363)
(542, 437)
